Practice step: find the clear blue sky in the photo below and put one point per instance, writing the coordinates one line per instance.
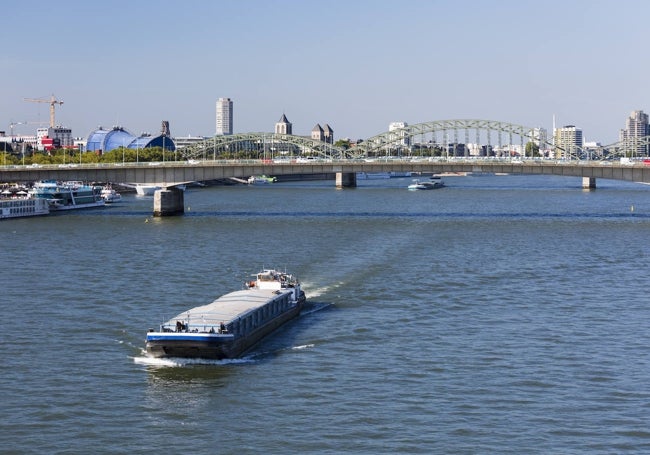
(356, 65)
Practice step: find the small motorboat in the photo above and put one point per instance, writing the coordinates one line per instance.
(110, 195)
(420, 185)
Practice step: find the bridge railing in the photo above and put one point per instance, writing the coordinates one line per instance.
(298, 162)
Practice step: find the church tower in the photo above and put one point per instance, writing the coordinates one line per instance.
(283, 126)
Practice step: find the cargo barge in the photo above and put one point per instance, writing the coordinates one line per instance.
(231, 324)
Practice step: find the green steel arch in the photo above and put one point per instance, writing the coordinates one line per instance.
(482, 130)
(631, 147)
(452, 133)
(264, 144)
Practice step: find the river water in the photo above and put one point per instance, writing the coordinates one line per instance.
(501, 314)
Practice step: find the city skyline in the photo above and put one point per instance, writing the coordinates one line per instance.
(358, 65)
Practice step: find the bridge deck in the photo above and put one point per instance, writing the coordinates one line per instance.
(176, 172)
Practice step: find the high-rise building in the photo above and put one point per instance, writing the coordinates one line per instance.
(164, 128)
(568, 141)
(224, 116)
(636, 126)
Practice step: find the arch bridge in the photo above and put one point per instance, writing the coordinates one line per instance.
(453, 138)
(262, 146)
(447, 138)
(440, 137)
(431, 147)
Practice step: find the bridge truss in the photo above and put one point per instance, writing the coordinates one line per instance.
(447, 138)
(453, 138)
(631, 148)
(262, 145)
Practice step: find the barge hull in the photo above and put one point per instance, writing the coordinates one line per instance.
(165, 345)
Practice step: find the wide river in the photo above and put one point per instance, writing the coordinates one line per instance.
(501, 314)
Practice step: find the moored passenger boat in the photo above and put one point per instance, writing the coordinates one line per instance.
(261, 180)
(23, 207)
(233, 323)
(110, 195)
(67, 195)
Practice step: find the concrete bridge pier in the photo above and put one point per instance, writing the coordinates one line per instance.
(346, 179)
(168, 202)
(588, 183)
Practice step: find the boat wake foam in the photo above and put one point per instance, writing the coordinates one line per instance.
(317, 292)
(182, 362)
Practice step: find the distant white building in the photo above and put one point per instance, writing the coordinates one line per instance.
(79, 143)
(594, 149)
(184, 141)
(399, 138)
(224, 116)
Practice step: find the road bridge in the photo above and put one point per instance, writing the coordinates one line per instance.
(446, 138)
(174, 173)
(432, 147)
(170, 174)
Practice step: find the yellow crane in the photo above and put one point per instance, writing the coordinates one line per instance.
(53, 101)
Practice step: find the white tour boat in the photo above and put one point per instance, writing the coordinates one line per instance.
(22, 207)
(110, 195)
(261, 180)
(68, 195)
(420, 185)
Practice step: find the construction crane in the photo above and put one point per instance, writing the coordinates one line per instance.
(53, 101)
(12, 124)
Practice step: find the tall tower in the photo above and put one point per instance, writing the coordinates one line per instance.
(224, 116)
(283, 126)
(636, 126)
(164, 129)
